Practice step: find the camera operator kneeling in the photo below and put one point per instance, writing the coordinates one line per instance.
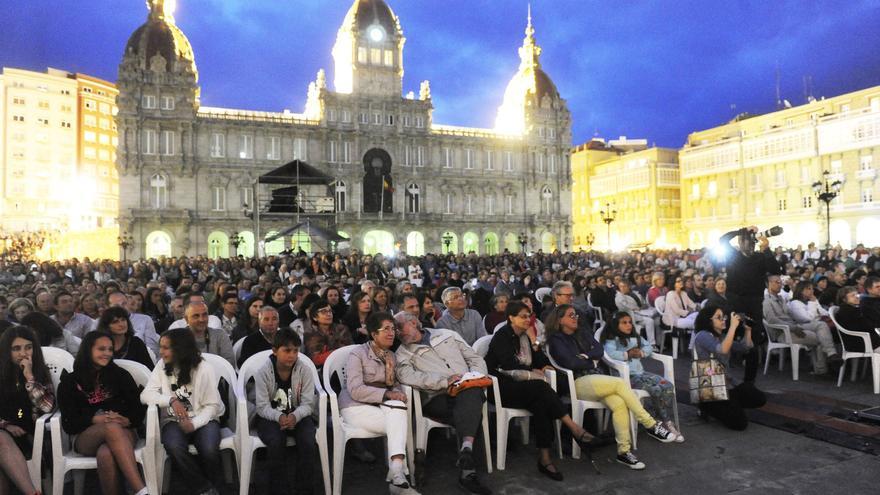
(716, 338)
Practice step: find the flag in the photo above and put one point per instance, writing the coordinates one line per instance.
(387, 185)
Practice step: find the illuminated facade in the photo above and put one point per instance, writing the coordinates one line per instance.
(640, 184)
(759, 171)
(187, 171)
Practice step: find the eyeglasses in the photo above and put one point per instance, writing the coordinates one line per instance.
(565, 294)
(720, 318)
(325, 311)
(572, 315)
(387, 329)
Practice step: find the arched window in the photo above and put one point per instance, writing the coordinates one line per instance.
(159, 191)
(413, 198)
(339, 194)
(546, 199)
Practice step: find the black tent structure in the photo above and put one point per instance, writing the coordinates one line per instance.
(331, 239)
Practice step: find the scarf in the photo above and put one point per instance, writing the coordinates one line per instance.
(524, 354)
(387, 360)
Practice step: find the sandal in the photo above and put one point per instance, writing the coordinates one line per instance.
(553, 475)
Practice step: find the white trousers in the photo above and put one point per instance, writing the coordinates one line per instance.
(380, 420)
(687, 322)
(649, 324)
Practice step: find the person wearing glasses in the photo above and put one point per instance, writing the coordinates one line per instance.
(457, 317)
(578, 351)
(716, 332)
(373, 399)
(563, 293)
(321, 335)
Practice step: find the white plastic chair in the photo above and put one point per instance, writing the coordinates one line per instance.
(503, 415)
(250, 442)
(660, 306)
(65, 459)
(57, 360)
(782, 346)
(228, 438)
(236, 350)
(342, 432)
(868, 352)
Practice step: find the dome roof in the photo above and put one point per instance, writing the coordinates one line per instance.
(159, 35)
(366, 13)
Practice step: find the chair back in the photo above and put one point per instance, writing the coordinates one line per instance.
(335, 364)
(222, 369)
(57, 360)
(236, 349)
(140, 373)
(481, 346)
(499, 326)
(660, 304)
(832, 312)
(253, 364)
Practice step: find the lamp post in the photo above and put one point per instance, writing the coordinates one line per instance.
(591, 238)
(826, 192)
(125, 241)
(236, 240)
(447, 240)
(488, 243)
(523, 240)
(608, 216)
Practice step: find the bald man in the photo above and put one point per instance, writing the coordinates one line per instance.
(211, 340)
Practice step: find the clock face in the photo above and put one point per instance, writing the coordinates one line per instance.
(376, 33)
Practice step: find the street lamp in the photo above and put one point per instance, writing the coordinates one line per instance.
(591, 238)
(608, 216)
(826, 192)
(447, 240)
(125, 241)
(488, 243)
(523, 240)
(236, 241)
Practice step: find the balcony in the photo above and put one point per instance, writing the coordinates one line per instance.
(780, 184)
(866, 174)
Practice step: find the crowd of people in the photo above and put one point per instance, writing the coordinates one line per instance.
(415, 321)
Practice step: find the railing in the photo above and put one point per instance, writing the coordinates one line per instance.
(866, 174)
(215, 113)
(451, 130)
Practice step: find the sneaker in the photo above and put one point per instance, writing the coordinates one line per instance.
(465, 460)
(661, 433)
(672, 429)
(471, 484)
(630, 459)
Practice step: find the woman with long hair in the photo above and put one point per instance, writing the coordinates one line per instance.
(427, 312)
(578, 351)
(622, 343)
(333, 295)
(381, 302)
(276, 297)
(100, 405)
(184, 386)
(519, 367)
(50, 333)
(116, 323)
(249, 320)
(154, 305)
(360, 307)
(25, 394)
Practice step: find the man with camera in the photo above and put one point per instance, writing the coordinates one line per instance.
(746, 272)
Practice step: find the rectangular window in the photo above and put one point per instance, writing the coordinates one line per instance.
(218, 145)
(447, 158)
(552, 163)
(389, 58)
(18, 101)
(362, 118)
(695, 191)
(346, 116)
(332, 152)
(299, 149)
(43, 122)
(781, 205)
(65, 124)
(469, 203)
(420, 156)
(246, 147)
(731, 183)
(104, 139)
(407, 155)
(148, 102)
(867, 195)
(551, 133)
(167, 103)
(105, 108)
(104, 124)
(375, 56)
(90, 136)
(362, 55)
(866, 162)
(448, 202)
(780, 178)
(836, 166)
(489, 160)
(807, 201)
(247, 196)
(377, 118)
(18, 118)
(490, 205)
(407, 120)
(90, 104)
(150, 141)
(274, 148)
(508, 161)
(509, 201)
(331, 115)
(469, 159)
(539, 161)
(166, 144)
(875, 104)
(346, 152)
(90, 120)
(420, 121)
(712, 190)
(218, 199)
(389, 120)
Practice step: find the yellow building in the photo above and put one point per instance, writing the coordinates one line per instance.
(57, 152)
(639, 184)
(760, 170)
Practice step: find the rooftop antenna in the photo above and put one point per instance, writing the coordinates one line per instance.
(778, 96)
(808, 89)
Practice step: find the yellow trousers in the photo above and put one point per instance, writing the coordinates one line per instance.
(614, 393)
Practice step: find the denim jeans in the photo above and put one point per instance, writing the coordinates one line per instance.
(204, 474)
(306, 447)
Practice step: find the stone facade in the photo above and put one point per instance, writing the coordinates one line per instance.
(187, 172)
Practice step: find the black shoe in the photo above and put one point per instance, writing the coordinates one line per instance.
(834, 363)
(421, 476)
(465, 460)
(471, 484)
(553, 475)
(589, 442)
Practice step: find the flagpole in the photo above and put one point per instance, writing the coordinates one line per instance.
(381, 196)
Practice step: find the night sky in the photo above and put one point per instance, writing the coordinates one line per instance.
(645, 69)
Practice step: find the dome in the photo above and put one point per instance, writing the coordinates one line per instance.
(364, 14)
(159, 35)
(544, 85)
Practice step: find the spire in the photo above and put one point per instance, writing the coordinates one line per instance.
(162, 10)
(530, 52)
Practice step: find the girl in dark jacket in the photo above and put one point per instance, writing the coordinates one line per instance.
(25, 393)
(116, 323)
(520, 368)
(100, 404)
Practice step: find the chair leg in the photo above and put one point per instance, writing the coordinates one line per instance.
(58, 473)
(767, 361)
(558, 425)
(244, 477)
(524, 429)
(840, 373)
(325, 464)
(79, 481)
(875, 365)
(853, 373)
(795, 361)
(487, 442)
(634, 431)
(501, 425)
(339, 443)
(674, 347)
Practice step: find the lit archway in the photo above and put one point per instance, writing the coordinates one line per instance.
(470, 242)
(300, 239)
(158, 243)
(840, 234)
(379, 241)
(868, 232)
(453, 242)
(548, 242)
(490, 242)
(511, 243)
(246, 246)
(218, 245)
(809, 232)
(273, 247)
(415, 244)
(696, 240)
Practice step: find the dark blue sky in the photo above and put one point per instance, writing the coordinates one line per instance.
(644, 69)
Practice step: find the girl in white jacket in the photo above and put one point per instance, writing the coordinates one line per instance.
(184, 387)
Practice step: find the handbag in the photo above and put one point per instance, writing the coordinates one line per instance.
(708, 381)
(467, 382)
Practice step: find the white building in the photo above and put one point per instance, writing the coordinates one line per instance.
(187, 171)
